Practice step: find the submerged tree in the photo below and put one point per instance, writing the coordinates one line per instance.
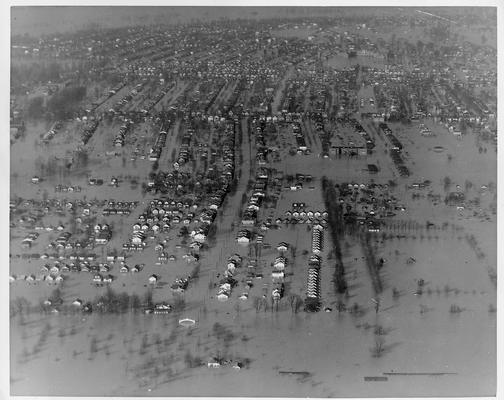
(379, 347)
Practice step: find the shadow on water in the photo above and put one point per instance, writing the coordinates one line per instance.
(22, 322)
(389, 308)
(25, 358)
(14, 380)
(389, 347)
(354, 286)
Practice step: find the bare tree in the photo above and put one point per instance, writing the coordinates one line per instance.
(257, 304)
(93, 347)
(379, 347)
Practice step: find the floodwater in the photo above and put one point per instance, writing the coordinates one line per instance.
(435, 352)
(334, 348)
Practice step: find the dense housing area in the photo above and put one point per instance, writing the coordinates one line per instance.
(282, 206)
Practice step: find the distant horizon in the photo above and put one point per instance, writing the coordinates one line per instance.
(39, 20)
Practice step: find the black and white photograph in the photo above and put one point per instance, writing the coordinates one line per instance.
(251, 200)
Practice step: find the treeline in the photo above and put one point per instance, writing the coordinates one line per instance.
(35, 109)
(64, 103)
(35, 72)
(110, 302)
(371, 263)
(51, 167)
(336, 227)
(25, 75)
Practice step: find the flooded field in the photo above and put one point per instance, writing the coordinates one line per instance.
(120, 354)
(151, 354)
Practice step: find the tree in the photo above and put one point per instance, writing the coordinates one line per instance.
(380, 330)
(420, 46)
(188, 359)
(257, 304)
(64, 103)
(184, 232)
(123, 302)
(35, 107)
(56, 297)
(81, 158)
(295, 302)
(93, 346)
(447, 182)
(340, 306)
(134, 302)
(455, 309)
(148, 302)
(178, 304)
(144, 345)
(379, 347)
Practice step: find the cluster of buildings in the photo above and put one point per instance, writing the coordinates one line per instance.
(123, 101)
(27, 242)
(278, 272)
(149, 105)
(300, 214)
(102, 234)
(116, 208)
(317, 239)
(246, 70)
(395, 144)
(184, 149)
(157, 148)
(121, 135)
(88, 130)
(250, 214)
(313, 281)
(301, 146)
(395, 150)
(51, 278)
(350, 139)
(159, 217)
(228, 281)
(55, 128)
(367, 205)
(62, 188)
